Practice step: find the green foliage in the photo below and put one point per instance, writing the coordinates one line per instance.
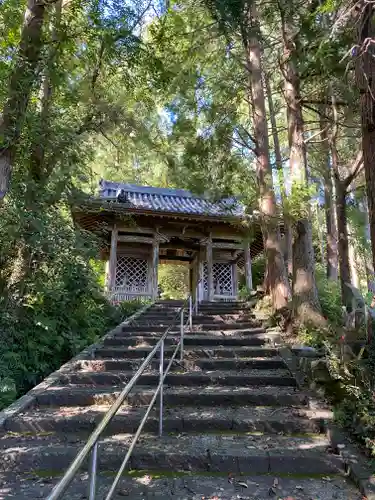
(129, 307)
(174, 281)
(354, 393)
(297, 204)
(329, 296)
(51, 305)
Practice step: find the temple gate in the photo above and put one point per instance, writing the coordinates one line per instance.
(142, 226)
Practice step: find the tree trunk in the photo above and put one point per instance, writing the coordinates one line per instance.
(343, 242)
(365, 74)
(20, 87)
(276, 273)
(38, 170)
(331, 248)
(306, 304)
(288, 232)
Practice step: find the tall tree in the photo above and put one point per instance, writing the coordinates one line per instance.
(241, 16)
(365, 73)
(21, 85)
(305, 296)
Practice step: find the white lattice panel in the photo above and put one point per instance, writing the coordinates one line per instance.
(131, 274)
(223, 278)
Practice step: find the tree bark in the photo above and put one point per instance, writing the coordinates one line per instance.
(20, 87)
(343, 242)
(276, 274)
(38, 170)
(365, 75)
(342, 184)
(288, 231)
(331, 230)
(306, 306)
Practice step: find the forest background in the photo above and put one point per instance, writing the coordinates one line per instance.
(272, 102)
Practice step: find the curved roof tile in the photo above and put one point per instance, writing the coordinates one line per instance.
(170, 200)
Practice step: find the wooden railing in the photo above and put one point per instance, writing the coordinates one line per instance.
(122, 294)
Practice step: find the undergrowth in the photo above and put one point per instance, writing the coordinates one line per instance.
(352, 390)
(45, 335)
(51, 303)
(352, 386)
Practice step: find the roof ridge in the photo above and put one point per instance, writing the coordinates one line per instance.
(171, 200)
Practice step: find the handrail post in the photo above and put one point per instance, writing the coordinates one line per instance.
(92, 472)
(161, 373)
(182, 335)
(191, 312)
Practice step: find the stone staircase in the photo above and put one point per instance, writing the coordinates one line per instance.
(235, 423)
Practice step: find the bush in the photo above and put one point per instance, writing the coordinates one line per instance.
(174, 281)
(55, 307)
(353, 393)
(128, 308)
(329, 296)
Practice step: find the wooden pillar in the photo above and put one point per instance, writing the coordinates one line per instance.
(106, 274)
(210, 274)
(248, 274)
(154, 269)
(235, 279)
(191, 280)
(198, 279)
(112, 259)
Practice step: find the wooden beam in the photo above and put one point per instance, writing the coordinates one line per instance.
(135, 239)
(113, 259)
(181, 258)
(227, 246)
(136, 229)
(189, 233)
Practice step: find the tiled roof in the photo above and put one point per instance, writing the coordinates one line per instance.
(169, 200)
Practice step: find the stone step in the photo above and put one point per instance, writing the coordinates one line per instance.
(229, 303)
(180, 419)
(257, 339)
(200, 316)
(207, 326)
(190, 353)
(260, 363)
(238, 454)
(162, 485)
(149, 332)
(276, 377)
(221, 308)
(201, 324)
(212, 333)
(177, 396)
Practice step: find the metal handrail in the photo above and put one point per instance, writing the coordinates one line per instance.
(92, 442)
